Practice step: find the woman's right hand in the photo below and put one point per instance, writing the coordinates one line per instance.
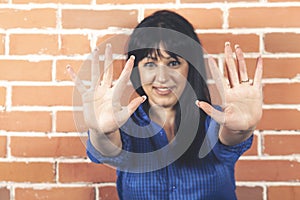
(102, 109)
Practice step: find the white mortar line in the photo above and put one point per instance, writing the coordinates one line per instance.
(41, 186)
(225, 16)
(52, 160)
(8, 98)
(267, 183)
(281, 132)
(43, 134)
(6, 44)
(53, 122)
(97, 193)
(259, 142)
(293, 157)
(265, 191)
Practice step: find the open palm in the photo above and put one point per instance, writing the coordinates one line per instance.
(241, 99)
(102, 107)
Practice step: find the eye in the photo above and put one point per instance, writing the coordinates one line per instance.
(174, 63)
(149, 64)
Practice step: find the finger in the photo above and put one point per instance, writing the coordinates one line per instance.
(257, 82)
(125, 113)
(108, 66)
(230, 64)
(217, 115)
(135, 103)
(95, 68)
(218, 78)
(241, 64)
(216, 74)
(124, 78)
(78, 83)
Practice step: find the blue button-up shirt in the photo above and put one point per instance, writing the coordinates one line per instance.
(207, 178)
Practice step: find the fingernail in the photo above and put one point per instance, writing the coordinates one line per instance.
(197, 102)
(108, 45)
(144, 98)
(227, 43)
(236, 46)
(68, 67)
(132, 57)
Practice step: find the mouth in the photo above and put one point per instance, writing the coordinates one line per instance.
(163, 90)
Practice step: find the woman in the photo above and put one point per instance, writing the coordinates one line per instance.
(165, 147)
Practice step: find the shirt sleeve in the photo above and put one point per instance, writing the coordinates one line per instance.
(225, 153)
(116, 161)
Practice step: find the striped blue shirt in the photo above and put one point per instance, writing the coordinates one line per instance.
(141, 177)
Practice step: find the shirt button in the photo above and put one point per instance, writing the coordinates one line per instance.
(173, 188)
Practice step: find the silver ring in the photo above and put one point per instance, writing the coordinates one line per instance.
(246, 81)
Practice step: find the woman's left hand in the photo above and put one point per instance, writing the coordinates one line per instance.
(241, 98)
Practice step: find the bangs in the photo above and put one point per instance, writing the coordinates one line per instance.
(145, 43)
(157, 53)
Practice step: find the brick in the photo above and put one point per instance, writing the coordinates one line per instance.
(108, 193)
(214, 43)
(275, 67)
(23, 70)
(25, 121)
(211, 1)
(67, 121)
(261, 17)
(34, 18)
(242, 0)
(199, 17)
(86, 172)
(42, 95)
(283, 0)
(133, 1)
(282, 42)
(93, 19)
(52, 1)
(4, 194)
(117, 41)
(75, 44)
(272, 119)
(2, 96)
(33, 172)
(22, 44)
(281, 144)
(283, 192)
(253, 150)
(200, 1)
(267, 170)
(75, 193)
(281, 67)
(277, 93)
(2, 44)
(3, 143)
(48, 147)
(249, 193)
(83, 67)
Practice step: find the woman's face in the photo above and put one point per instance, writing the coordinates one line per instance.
(163, 78)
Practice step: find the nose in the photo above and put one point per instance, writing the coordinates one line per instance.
(162, 74)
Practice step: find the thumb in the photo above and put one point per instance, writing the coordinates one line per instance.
(217, 115)
(125, 114)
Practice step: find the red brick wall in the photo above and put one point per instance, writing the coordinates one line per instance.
(41, 153)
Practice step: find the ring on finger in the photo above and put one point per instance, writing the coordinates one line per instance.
(245, 81)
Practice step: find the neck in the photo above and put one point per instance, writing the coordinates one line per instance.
(165, 117)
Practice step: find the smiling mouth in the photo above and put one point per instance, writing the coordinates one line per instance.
(163, 90)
